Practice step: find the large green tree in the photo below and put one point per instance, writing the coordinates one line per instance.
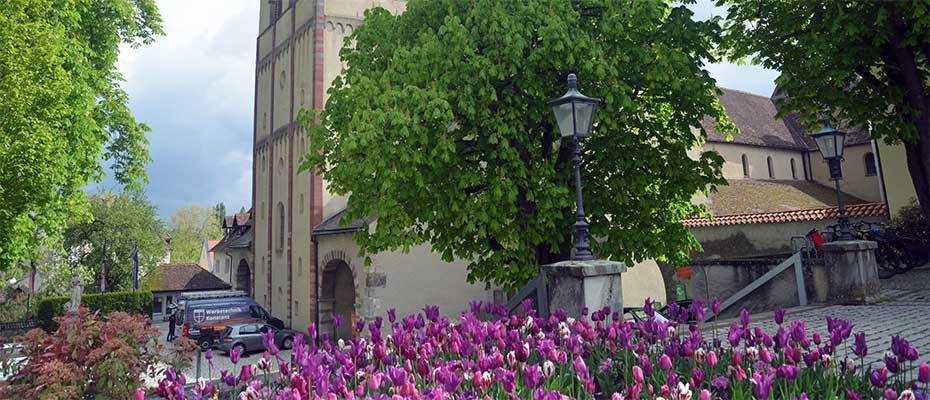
(120, 222)
(866, 61)
(439, 128)
(62, 111)
(190, 226)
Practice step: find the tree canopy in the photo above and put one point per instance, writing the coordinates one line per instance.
(190, 226)
(62, 111)
(439, 127)
(121, 221)
(864, 61)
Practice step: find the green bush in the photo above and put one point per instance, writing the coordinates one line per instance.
(139, 302)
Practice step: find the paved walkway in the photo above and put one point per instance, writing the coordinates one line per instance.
(904, 310)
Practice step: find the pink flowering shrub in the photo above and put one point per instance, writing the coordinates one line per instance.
(88, 356)
(427, 356)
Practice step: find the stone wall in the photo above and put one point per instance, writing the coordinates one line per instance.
(723, 278)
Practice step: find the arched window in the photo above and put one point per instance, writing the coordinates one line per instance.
(768, 160)
(281, 226)
(869, 160)
(745, 165)
(794, 171)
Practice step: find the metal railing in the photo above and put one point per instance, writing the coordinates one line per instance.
(535, 289)
(794, 261)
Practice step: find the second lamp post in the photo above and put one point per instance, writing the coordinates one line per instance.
(830, 142)
(574, 113)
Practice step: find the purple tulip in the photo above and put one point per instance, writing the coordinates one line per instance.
(431, 312)
(802, 396)
(779, 316)
(891, 363)
(853, 395)
(337, 321)
(715, 306)
(697, 377)
(398, 376)
(879, 377)
(744, 318)
(234, 355)
(245, 373)
(734, 335)
(649, 308)
(532, 376)
(788, 371)
(720, 383)
(606, 365)
(890, 394)
(762, 385)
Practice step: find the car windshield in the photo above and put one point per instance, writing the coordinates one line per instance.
(227, 331)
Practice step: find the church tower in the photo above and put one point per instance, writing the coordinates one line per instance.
(297, 57)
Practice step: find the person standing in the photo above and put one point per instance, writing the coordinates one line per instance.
(172, 321)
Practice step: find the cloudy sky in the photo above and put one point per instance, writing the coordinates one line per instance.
(194, 87)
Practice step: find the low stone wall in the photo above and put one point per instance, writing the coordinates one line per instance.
(723, 278)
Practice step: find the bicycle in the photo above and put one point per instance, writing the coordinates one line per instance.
(888, 256)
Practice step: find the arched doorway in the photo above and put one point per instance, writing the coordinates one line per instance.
(337, 297)
(244, 277)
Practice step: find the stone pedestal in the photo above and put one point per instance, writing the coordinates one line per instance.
(574, 285)
(849, 274)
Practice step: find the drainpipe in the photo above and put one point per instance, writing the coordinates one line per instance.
(316, 289)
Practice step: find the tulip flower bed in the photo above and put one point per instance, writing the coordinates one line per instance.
(427, 356)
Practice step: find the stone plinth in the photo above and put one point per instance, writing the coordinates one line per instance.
(574, 285)
(849, 274)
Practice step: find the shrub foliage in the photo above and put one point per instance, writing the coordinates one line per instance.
(138, 302)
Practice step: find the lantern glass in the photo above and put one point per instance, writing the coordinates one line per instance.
(584, 117)
(829, 141)
(574, 112)
(565, 118)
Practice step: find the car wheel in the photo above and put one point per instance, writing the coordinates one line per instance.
(287, 343)
(241, 348)
(205, 344)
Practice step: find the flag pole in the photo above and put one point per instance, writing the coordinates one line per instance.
(135, 266)
(103, 269)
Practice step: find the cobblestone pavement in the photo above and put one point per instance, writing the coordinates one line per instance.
(904, 310)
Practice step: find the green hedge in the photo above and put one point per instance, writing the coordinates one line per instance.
(138, 302)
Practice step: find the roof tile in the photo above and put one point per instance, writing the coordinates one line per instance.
(856, 210)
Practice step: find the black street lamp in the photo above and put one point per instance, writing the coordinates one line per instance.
(574, 112)
(830, 142)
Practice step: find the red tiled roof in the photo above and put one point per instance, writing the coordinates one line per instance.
(856, 210)
(243, 218)
(182, 277)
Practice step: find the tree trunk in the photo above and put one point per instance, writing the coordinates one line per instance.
(918, 165)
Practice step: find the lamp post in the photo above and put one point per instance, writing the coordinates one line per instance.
(574, 113)
(830, 143)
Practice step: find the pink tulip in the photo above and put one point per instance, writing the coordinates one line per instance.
(712, 359)
(638, 374)
(923, 373)
(705, 394)
(140, 394)
(665, 362)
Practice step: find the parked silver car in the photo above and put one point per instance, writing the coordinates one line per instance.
(248, 337)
